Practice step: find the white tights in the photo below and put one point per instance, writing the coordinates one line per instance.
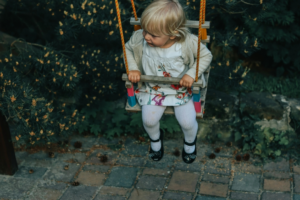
(186, 116)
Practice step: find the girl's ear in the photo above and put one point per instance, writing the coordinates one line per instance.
(173, 37)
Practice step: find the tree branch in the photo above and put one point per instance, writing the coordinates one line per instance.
(232, 12)
(249, 3)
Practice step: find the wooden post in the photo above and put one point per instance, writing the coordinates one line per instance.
(8, 162)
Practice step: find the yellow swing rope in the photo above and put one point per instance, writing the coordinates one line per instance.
(201, 21)
(136, 27)
(122, 36)
(134, 11)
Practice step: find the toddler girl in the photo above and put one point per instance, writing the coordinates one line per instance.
(164, 47)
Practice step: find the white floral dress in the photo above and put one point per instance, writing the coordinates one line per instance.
(167, 62)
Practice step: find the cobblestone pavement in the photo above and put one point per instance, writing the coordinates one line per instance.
(129, 174)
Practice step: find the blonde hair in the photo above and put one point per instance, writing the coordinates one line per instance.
(165, 17)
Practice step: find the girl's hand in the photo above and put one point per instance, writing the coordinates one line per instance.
(134, 76)
(186, 81)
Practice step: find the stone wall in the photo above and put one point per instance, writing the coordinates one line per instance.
(274, 110)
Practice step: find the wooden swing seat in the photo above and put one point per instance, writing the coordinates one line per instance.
(170, 80)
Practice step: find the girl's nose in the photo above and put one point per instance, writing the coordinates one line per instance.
(147, 36)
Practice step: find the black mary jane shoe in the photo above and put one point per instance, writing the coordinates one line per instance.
(157, 155)
(189, 157)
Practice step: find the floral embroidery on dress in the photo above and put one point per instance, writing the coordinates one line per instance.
(176, 87)
(158, 99)
(166, 74)
(180, 95)
(156, 87)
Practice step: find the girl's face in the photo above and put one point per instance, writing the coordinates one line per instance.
(162, 41)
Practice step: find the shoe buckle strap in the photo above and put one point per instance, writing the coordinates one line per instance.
(155, 140)
(190, 144)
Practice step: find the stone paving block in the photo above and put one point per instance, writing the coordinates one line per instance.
(40, 159)
(51, 184)
(151, 182)
(218, 166)
(243, 196)
(81, 192)
(45, 194)
(247, 167)
(15, 188)
(277, 175)
(277, 185)
(171, 144)
(215, 179)
(296, 197)
(196, 166)
(104, 141)
(246, 182)
(136, 150)
(161, 172)
(224, 152)
(297, 183)
(131, 161)
(58, 173)
(79, 157)
(138, 194)
(275, 196)
(122, 177)
(95, 159)
(91, 179)
(87, 142)
(209, 198)
(109, 190)
(23, 172)
(282, 165)
(106, 197)
(213, 189)
(21, 156)
(96, 168)
(177, 196)
(165, 163)
(296, 169)
(183, 181)
(75, 157)
(129, 141)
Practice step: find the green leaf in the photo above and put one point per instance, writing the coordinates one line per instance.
(107, 107)
(246, 147)
(113, 131)
(136, 120)
(238, 136)
(95, 128)
(268, 135)
(119, 115)
(277, 153)
(170, 124)
(88, 111)
(83, 126)
(284, 141)
(242, 106)
(258, 149)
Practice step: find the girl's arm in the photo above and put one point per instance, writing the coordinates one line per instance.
(134, 72)
(204, 60)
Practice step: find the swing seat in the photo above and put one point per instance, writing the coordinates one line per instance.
(168, 80)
